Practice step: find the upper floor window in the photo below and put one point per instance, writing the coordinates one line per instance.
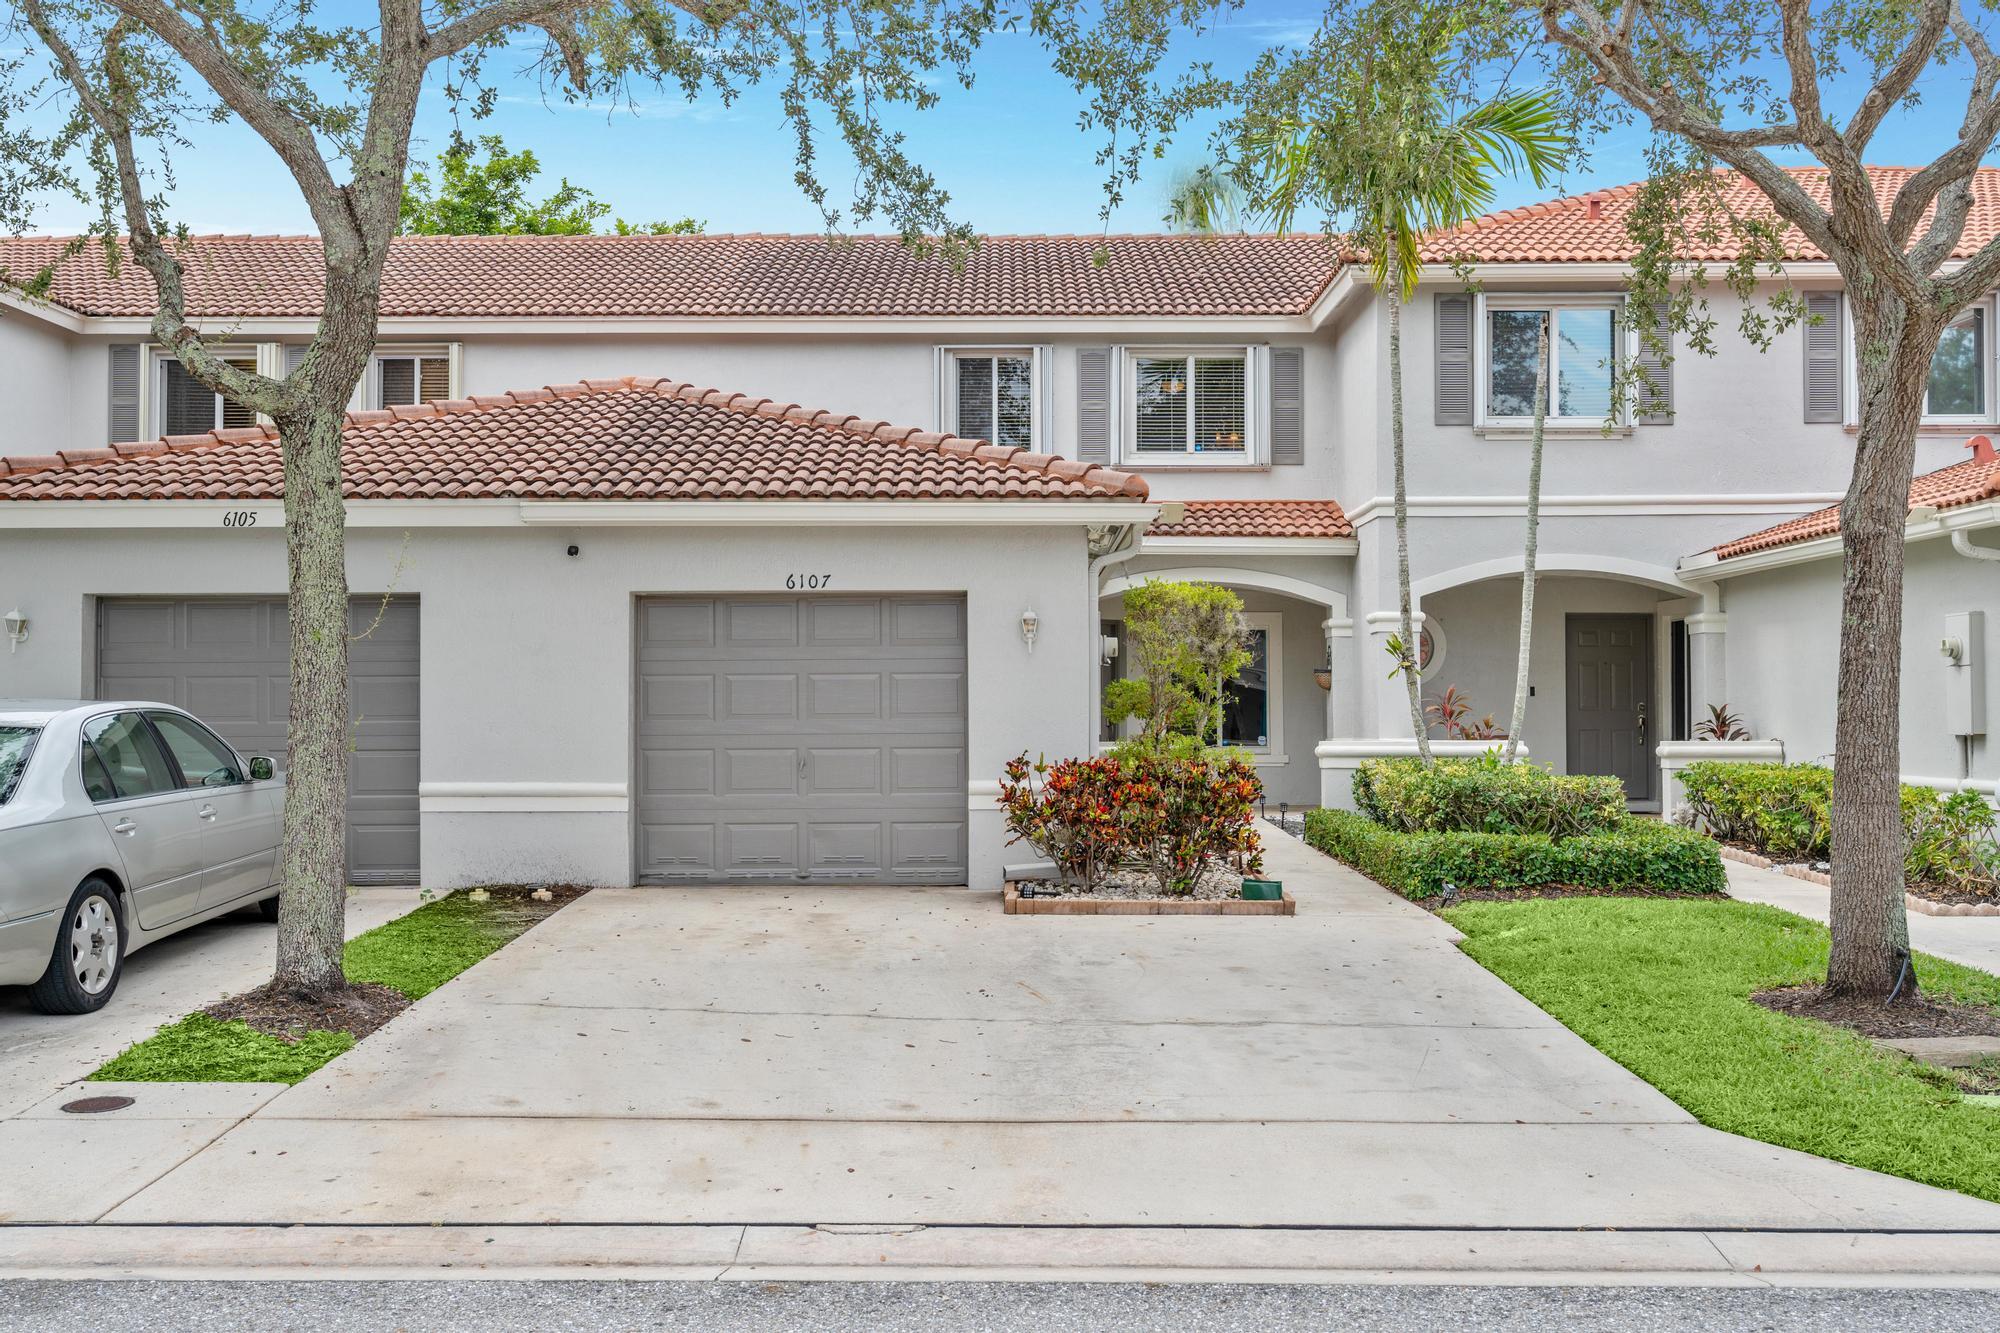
(402, 378)
(1583, 358)
(1959, 386)
(994, 394)
(189, 407)
(1189, 407)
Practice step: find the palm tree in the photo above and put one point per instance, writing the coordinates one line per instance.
(1378, 141)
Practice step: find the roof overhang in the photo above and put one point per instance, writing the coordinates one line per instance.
(1924, 524)
(62, 317)
(193, 514)
(1248, 546)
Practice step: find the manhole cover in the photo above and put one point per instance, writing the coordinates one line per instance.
(96, 1105)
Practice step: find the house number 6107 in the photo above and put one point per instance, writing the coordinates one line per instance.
(794, 582)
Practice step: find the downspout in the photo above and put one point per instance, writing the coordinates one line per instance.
(1961, 542)
(1108, 546)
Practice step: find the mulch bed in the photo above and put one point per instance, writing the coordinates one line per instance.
(1919, 1017)
(513, 903)
(1439, 903)
(1124, 885)
(288, 1015)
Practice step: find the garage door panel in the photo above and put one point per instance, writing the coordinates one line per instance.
(228, 661)
(835, 750)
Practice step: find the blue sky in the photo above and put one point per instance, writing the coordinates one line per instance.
(1009, 150)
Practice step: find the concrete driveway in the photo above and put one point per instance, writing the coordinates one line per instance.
(872, 1057)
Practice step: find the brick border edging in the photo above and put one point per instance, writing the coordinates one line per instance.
(1013, 904)
(1910, 900)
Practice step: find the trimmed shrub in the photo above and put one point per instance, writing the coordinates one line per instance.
(1487, 796)
(1175, 814)
(1637, 854)
(1786, 811)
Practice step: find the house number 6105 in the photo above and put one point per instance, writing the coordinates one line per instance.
(794, 582)
(240, 518)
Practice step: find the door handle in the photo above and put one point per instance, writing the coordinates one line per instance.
(126, 827)
(206, 812)
(1642, 724)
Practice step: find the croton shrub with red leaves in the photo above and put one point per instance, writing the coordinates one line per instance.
(1174, 817)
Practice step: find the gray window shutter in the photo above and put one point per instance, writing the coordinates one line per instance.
(1454, 358)
(1093, 405)
(1823, 355)
(124, 416)
(295, 356)
(1288, 391)
(1654, 404)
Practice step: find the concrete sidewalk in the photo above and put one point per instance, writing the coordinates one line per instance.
(1971, 940)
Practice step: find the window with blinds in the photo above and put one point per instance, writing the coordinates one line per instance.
(1192, 404)
(189, 407)
(993, 397)
(402, 380)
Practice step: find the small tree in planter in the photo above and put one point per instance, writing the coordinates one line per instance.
(1182, 817)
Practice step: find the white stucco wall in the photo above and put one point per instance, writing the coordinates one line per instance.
(1783, 653)
(39, 367)
(527, 653)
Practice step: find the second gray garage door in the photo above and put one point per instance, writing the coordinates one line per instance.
(228, 661)
(814, 739)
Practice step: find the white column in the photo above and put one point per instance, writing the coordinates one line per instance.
(1339, 632)
(1389, 706)
(1708, 667)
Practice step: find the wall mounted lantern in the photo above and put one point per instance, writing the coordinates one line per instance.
(1031, 625)
(17, 628)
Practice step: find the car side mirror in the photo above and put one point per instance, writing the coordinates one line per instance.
(262, 769)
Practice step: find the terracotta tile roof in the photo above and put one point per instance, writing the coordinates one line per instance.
(1976, 479)
(1591, 227)
(619, 439)
(1258, 518)
(556, 277)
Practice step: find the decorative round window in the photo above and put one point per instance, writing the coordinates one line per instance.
(1430, 646)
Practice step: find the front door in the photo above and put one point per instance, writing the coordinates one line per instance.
(1610, 670)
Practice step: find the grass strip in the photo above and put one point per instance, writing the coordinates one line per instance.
(1663, 987)
(415, 954)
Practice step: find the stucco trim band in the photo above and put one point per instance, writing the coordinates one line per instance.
(524, 797)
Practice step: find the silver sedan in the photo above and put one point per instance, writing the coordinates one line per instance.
(121, 823)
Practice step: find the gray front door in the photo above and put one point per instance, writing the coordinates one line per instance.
(228, 661)
(801, 739)
(1610, 672)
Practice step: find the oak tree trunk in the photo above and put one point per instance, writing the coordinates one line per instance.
(1412, 659)
(1871, 938)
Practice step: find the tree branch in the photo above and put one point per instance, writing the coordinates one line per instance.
(170, 324)
(1901, 76)
(1948, 179)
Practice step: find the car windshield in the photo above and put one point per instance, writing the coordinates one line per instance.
(16, 744)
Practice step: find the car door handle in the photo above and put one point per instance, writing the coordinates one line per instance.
(206, 812)
(126, 827)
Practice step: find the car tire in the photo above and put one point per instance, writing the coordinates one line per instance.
(268, 909)
(89, 953)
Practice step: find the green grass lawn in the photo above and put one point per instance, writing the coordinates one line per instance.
(1663, 987)
(415, 954)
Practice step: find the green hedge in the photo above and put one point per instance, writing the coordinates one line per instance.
(1786, 811)
(1487, 796)
(1638, 854)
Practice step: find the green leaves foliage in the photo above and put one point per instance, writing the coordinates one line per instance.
(1485, 795)
(1186, 643)
(1636, 855)
(489, 197)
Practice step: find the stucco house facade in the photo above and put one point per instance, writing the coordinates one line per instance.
(627, 627)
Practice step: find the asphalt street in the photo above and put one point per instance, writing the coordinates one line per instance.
(445, 1307)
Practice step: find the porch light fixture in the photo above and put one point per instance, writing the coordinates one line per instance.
(1031, 625)
(17, 628)
(1107, 648)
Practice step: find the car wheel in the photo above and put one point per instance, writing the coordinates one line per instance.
(89, 954)
(268, 909)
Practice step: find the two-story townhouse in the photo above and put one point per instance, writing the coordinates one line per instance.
(642, 631)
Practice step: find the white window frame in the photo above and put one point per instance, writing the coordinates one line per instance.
(945, 385)
(1624, 343)
(1273, 624)
(153, 384)
(371, 383)
(1986, 307)
(1252, 453)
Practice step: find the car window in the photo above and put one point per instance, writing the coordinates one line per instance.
(205, 761)
(16, 744)
(96, 782)
(131, 755)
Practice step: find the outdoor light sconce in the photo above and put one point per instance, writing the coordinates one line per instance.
(17, 628)
(1031, 625)
(1107, 647)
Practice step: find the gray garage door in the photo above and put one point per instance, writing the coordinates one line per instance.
(817, 739)
(228, 662)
